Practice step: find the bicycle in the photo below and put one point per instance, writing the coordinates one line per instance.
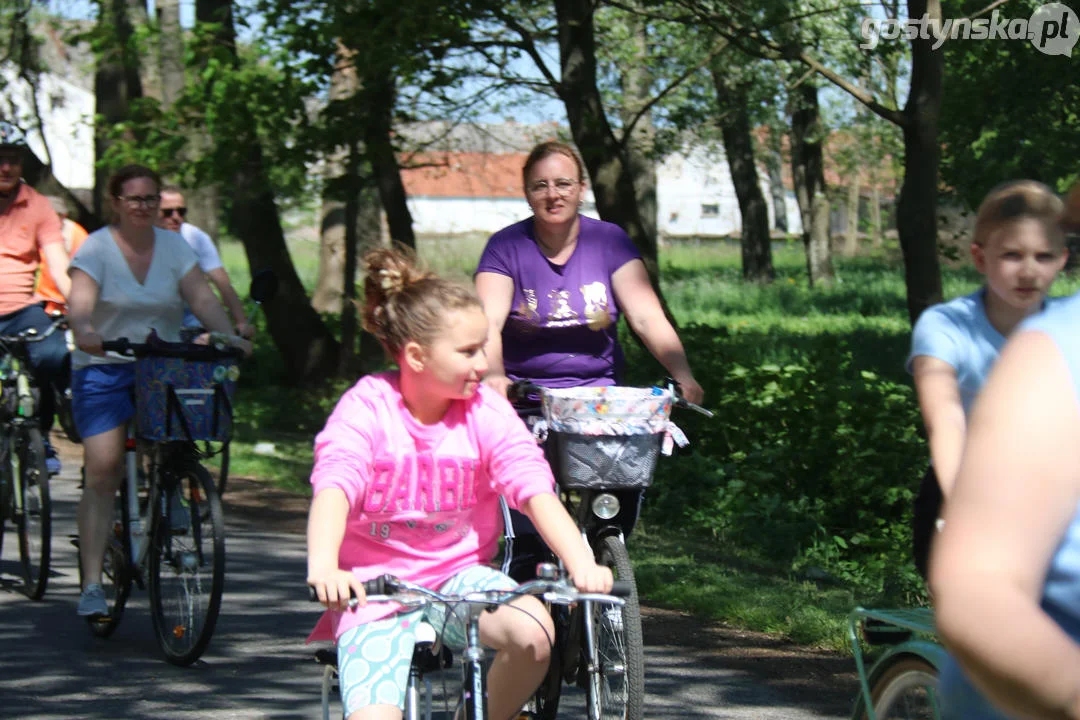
(170, 535)
(263, 288)
(603, 444)
(24, 478)
(551, 585)
(902, 682)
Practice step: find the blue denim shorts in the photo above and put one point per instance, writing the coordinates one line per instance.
(101, 397)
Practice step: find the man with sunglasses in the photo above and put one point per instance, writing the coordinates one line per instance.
(30, 229)
(172, 214)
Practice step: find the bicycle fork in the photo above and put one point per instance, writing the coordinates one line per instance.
(475, 684)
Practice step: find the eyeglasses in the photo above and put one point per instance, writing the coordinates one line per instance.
(181, 212)
(137, 201)
(564, 187)
(10, 158)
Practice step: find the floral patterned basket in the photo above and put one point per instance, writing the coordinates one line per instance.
(184, 397)
(607, 438)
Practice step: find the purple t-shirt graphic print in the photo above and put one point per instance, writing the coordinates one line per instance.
(562, 330)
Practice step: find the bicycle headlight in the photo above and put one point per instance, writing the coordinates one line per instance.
(605, 506)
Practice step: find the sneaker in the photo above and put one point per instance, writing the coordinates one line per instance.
(179, 514)
(92, 602)
(52, 460)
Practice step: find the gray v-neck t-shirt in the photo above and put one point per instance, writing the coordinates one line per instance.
(125, 307)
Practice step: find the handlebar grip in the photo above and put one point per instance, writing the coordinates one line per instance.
(120, 345)
(622, 588)
(382, 585)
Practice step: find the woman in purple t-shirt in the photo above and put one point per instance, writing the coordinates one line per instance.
(553, 286)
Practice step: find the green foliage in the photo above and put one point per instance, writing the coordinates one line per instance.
(1008, 112)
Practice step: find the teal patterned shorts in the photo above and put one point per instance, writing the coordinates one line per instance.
(374, 658)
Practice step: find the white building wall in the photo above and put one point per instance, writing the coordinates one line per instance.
(67, 113)
(695, 196)
(449, 216)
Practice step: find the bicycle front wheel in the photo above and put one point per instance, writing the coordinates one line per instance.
(906, 691)
(616, 688)
(187, 564)
(115, 570)
(34, 519)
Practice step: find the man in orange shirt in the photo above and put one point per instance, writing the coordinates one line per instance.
(29, 227)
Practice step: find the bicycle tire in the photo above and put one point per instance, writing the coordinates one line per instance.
(617, 687)
(34, 522)
(7, 499)
(223, 469)
(115, 574)
(187, 567)
(905, 690)
(65, 416)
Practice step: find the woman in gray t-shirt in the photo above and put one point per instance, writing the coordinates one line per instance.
(127, 279)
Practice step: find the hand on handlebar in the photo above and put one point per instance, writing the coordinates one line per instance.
(593, 578)
(90, 342)
(499, 383)
(690, 390)
(246, 330)
(235, 341)
(335, 586)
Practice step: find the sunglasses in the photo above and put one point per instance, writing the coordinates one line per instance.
(181, 212)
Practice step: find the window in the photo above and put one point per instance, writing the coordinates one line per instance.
(710, 210)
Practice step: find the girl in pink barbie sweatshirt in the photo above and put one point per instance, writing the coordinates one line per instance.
(408, 474)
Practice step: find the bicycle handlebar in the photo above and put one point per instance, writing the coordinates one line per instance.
(30, 335)
(387, 588)
(180, 350)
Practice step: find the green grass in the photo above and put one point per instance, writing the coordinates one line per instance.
(729, 531)
(697, 577)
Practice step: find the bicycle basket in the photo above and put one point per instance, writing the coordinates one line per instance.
(606, 437)
(184, 397)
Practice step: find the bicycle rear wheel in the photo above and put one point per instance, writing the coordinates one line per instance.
(187, 564)
(115, 574)
(616, 688)
(906, 691)
(34, 520)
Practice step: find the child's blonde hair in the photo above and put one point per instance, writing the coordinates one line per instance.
(1020, 200)
(404, 303)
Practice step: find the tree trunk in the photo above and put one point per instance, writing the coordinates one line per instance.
(348, 304)
(641, 143)
(808, 174)
(773, 166)
(116, 84)
(380, 95)
(734, 124)
(916, 208)
(330, 285)
(605, 158)
(308, 349)
(851, 234)
(170, 51)
(875, 217)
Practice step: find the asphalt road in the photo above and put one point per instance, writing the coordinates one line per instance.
(257, 665)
